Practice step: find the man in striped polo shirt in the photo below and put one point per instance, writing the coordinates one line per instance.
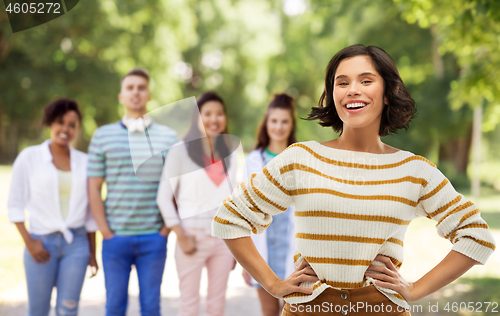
(129, 220)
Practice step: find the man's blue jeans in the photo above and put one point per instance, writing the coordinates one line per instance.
(148, 254)
(65, 270)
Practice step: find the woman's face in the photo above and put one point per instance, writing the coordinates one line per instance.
(279, 124)
(358, 92)
(63, 129)
(212, 118)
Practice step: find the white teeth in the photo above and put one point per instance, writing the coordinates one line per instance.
(355, 105)
(63, 135)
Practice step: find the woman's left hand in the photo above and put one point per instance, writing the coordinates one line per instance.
(388, 276)
(94, 267)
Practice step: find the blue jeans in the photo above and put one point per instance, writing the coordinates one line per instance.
(148, 254)
(65, 270)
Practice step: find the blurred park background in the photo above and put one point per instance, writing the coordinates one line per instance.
(446, 52)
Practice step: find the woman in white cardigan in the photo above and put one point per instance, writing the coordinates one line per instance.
(276, 243)
(50, 181)
(201, 171)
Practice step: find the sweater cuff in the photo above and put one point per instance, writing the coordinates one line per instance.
(229, 231)
(474, 249)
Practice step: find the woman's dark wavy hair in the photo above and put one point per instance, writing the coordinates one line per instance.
(280, 101)
(58, 108)
(194, 137)
(400, 107)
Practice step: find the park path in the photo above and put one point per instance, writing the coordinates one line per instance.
(241, 299)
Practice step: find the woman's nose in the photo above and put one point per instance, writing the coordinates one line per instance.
(353, 90)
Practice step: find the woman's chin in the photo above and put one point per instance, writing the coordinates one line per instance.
(278, 138)
(62, 142)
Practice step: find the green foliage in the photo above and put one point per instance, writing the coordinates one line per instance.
(246, 51)
(468, 29)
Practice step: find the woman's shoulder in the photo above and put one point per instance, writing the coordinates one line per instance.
(31, 151)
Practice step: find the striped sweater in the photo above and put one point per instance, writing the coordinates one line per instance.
(349, 207)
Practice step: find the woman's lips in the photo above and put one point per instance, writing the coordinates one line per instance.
(355, 110)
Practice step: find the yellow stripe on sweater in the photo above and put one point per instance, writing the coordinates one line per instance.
(466, 216)
(371, 218)
(366, 240)
(254, 206)
(342, 261)
(455, 210)
(454, 233)
(482, 242)
(301, 167)
(358, 165)
(436, 190)
(445, 207)
(263, 197)
(354, 196)
(270, 178)
(230, 209)
(222, 221)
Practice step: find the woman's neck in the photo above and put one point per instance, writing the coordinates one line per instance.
(362, 139)
(277, 147)
(58, 150)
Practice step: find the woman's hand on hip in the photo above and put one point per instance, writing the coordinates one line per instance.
(388, 276)
(37, 251)
(302, 273)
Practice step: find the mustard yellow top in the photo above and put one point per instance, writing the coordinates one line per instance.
(64, 191)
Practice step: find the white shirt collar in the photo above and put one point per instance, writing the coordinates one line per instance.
(137, 125)
(46, 154)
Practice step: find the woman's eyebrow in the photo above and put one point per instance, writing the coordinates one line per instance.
(360, 75)
(367, 74)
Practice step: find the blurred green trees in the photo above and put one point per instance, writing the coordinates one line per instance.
(247, 50)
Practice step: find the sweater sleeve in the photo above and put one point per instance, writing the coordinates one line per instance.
(253, 202)
(458, 219)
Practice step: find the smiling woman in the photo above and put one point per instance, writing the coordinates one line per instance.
(369, 72)
(50, 181)
(354, 198)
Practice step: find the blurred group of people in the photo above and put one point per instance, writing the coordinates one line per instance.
(61, 187)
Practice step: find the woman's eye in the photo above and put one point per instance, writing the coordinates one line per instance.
(366, 81)
(343, 84)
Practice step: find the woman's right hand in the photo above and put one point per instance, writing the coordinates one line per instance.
(188, 244)
(37, 251)
(302, 273)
